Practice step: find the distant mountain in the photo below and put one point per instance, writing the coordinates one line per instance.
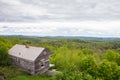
(69, 37)
(86, 38)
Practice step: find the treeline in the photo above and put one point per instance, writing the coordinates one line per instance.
(76, 59)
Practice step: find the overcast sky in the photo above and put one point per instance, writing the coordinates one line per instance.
(99, 18)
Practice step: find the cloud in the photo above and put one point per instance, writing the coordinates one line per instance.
(69, 28)
(72, 10)
(15, 10)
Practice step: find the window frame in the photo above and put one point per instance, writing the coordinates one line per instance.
(42, 63)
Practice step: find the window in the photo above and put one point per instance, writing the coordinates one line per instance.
(42, 63)
(44, 52)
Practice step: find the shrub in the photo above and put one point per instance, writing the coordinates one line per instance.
(109, 70)
(87, 62)
(4, 58)
(87, 51)
(112, 56)
(58, 76)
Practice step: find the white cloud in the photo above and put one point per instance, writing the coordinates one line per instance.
(83, 28)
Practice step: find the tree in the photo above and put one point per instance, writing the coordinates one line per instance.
(4, 58)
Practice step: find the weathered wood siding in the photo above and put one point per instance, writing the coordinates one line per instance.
(38, 67)
(25, 65)
(2, 76)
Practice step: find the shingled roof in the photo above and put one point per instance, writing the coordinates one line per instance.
(21, 51)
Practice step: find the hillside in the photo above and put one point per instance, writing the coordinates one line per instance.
(78, 58)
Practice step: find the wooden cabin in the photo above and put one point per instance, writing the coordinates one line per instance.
(34, 60)
(2, 77)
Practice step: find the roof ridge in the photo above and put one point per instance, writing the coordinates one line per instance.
(30, 46)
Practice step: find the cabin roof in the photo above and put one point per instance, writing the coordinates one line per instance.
(21, 51)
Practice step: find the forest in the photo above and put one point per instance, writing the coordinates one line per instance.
(75, 59)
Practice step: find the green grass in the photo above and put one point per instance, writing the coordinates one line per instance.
(29, 77)
(14, 73)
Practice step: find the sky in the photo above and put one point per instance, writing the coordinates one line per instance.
(93, 18)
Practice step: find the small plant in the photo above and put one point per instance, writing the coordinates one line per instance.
(58, 76)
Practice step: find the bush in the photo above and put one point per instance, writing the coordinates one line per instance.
(112, 56)
(4, 57)
(109, 70)
(87, 62)
(87, 51)
(58, 76)
(86, 76)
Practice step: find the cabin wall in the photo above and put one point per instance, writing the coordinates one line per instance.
(2, 76)
(25, 65)
(38, 67)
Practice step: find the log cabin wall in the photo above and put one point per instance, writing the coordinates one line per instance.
(39, 66)
(25, 65)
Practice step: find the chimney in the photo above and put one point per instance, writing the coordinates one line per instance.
(27, 45)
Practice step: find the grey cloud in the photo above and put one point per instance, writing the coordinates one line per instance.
(31, 10)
